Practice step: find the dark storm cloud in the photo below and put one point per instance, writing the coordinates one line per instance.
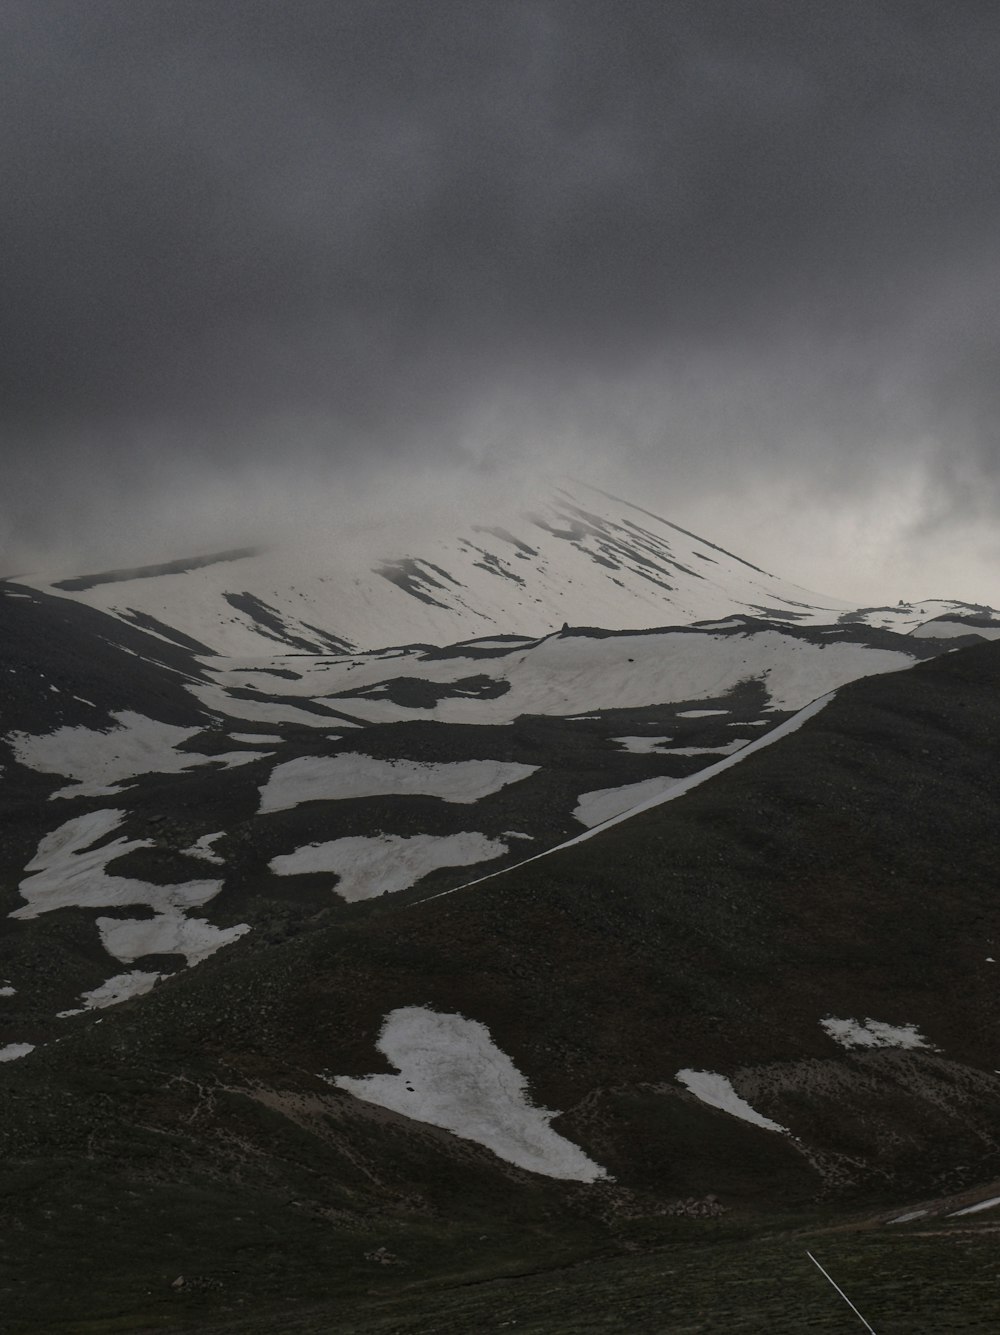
(347, 230)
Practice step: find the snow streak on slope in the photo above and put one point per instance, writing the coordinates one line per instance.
(717, 1091)
(582, 557)
(676, 790)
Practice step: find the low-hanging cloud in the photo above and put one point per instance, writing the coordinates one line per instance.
(703, 247)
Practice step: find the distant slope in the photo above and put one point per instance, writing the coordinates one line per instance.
(580, 557)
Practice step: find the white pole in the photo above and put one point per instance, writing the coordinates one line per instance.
(840, 1291)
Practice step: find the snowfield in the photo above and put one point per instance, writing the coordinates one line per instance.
(452, 1075)
(573, 676)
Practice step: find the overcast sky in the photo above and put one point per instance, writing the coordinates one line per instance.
(738, 259)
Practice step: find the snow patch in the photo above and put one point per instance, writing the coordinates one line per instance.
(717, 1092)
(452, 1075)
(14, 1050)
(99, 760)
(700, 713)
(202, 848)
(385, 863)
(642, 746)
(69, 872)
(329, 778)
(115, 990)
(168, 933)
(873, 1034)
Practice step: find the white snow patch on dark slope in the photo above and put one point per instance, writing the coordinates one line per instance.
(850, 1033)
(12, 1051)
(115, 990)
(67, 871)
(717, 1091)
(452, 1075)
(369, 866)
(98, 761)
(168, 933)
(329, 778)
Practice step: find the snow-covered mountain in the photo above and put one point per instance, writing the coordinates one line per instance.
(578, 556)
(598, 818)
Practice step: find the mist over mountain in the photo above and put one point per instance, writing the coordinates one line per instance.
(738, 263)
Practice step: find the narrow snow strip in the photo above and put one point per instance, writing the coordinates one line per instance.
(681, 787)
(700, 713)
(268, 738)
(69, 872)
(169, 933)
(14, 1050)
(873, 1034)
(328, 778)
(724, 749)
(974, 1209)
(717, 1092)
(906, 1218)
(385, 863)
(452, 1075)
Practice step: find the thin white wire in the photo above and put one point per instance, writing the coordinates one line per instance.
(841, 1292)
